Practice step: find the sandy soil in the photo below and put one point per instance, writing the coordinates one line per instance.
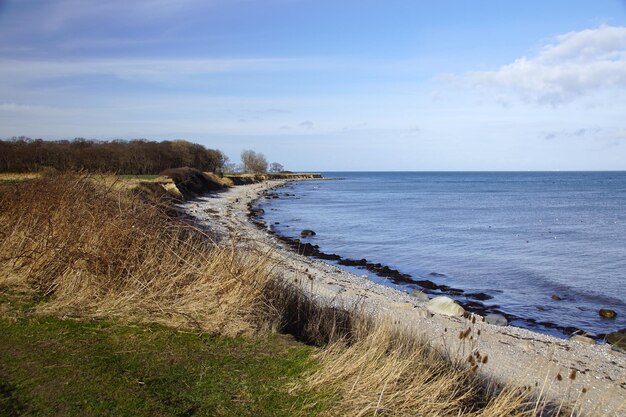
(516, 356)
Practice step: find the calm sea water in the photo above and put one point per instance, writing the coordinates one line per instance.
(519, 237)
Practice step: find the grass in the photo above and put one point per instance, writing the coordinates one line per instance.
(166, 322)
(56, 367)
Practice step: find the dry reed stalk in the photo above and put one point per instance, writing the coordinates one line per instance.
(98, 251)
(385, 370)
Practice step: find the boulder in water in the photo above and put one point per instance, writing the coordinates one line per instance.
(478, 296)
(607, 313)
(307, 233)
(257, 212)
(445, 306)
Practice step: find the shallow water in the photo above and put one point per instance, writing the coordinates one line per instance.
(518, 237)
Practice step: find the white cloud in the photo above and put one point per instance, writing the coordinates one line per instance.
(575, 65)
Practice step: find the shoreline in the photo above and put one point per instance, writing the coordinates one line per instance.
(472, 302)
(516, 355)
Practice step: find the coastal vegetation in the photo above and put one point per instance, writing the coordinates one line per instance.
(135, 157)
(113, 304)
(138, 157)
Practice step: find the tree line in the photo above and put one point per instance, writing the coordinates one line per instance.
(141, 157)
(138, 157)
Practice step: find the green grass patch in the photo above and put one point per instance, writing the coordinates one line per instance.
(55, 367)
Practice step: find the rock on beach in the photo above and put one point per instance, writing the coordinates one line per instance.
(445, 306)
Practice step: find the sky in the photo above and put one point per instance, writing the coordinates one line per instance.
(322, 85)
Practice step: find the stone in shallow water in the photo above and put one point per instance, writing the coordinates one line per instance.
(496, 319)
(445, 306)
(419, 295)
(607, 314)
(582, 339)
(307, 233)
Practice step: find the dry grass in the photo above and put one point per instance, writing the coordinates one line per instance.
(97, 250)
(223, 181)
(385, 370)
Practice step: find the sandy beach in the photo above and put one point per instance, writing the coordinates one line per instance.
(592, 376)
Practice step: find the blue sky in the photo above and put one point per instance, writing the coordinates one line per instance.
(327, 85)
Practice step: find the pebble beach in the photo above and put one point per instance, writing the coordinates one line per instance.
(593, 376)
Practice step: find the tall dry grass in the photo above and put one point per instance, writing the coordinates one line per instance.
(94, 249)
(387, 371)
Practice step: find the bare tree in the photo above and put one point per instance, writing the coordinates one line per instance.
(276, 167)
(253, 161)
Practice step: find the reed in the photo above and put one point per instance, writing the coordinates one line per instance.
(94, 249)
(386, 370)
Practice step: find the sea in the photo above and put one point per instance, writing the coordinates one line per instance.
(548, 249)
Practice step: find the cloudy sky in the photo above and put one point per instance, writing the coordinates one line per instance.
(327, 85)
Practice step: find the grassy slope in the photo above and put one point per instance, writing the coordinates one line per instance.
(50, 366)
